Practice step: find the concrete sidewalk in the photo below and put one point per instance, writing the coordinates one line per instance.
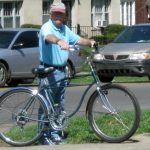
(138, 142)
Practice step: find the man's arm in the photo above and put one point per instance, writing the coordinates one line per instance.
(87, 42)
(55, 40)
(51, 39)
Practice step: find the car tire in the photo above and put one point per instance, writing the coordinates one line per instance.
(105, 78)
(3, 75)
(69, 70)
(13, 83)
(149, 77)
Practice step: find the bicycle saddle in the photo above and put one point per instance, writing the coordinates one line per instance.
(42, 72)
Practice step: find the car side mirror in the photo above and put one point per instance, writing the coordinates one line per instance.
(17, 46)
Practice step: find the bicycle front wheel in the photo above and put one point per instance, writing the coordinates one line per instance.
(19, 120)
(115, 118)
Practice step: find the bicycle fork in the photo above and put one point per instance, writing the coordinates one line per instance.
(107, 105)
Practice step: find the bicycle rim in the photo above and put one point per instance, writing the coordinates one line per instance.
(117, 121)
(19, 124)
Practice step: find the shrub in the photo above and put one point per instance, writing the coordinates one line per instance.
(30, 26)
(104, 39)
(100, 38)
(109, 34)
(114, 28)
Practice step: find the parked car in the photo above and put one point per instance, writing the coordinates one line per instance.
(127, 55)
(19, 54)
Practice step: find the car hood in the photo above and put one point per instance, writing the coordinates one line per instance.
(125, 48)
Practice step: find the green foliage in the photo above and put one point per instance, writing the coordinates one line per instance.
(104, 39)
(30, 26)
(100, 38)
(114, 28)
(110, 37)
(110, 33)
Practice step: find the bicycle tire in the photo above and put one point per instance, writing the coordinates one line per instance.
(19, 126)
(127, 111)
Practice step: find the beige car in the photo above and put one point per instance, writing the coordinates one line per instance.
(127, 55)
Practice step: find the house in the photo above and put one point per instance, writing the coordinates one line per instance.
(91, 13)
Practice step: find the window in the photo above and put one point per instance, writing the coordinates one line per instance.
(135, 34)
(28, 39)
(100, 15)
(46, 4)
(10, 14)
(127, 12)
(6, 38)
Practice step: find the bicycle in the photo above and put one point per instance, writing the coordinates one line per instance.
(19, 110)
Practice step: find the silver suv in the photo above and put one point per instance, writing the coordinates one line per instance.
(19, 54)
(127, 55)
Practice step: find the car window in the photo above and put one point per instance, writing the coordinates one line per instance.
(27, 39)
(6, 38)
(135, 34)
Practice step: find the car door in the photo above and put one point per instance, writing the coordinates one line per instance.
(24, 54)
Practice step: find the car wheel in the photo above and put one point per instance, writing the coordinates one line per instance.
(13, 83)
(105, 78)
(3, 75)
(69, 70)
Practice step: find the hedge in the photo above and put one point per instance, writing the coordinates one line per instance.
(30, 26)
(109, 34)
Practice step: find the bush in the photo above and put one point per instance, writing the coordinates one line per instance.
(30, 26)
(110, 37)
(100, 38)
(109, 34)
(104, 39)
(114, 28)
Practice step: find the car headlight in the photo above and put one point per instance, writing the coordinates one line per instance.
(140, 56)
(98, 57)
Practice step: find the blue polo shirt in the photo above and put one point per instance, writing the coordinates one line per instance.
(50, 53)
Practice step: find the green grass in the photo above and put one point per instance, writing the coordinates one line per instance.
(131, 79)
(80, 132)
(122, 79)
(145, 122)
(17, 133)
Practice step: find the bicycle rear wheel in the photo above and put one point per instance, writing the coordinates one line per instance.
(19, 123)
(116, 120)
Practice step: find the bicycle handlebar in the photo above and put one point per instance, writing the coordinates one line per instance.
(77, 47)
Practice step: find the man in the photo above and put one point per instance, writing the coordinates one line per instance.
(54, 41)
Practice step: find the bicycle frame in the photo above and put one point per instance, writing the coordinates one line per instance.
(50, 101)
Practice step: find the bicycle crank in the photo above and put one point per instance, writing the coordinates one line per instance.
(59, 122)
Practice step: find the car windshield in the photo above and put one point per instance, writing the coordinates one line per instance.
(135, 34)
(6, 37)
